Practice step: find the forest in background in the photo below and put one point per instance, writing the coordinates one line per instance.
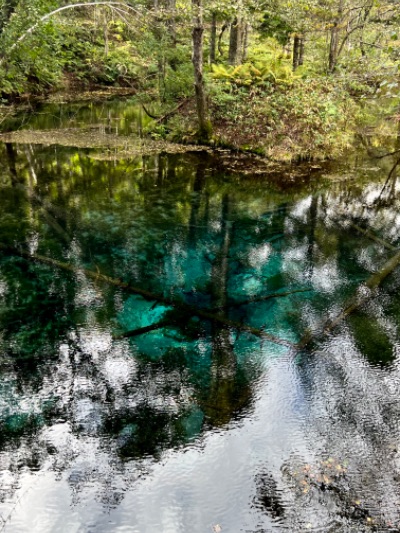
(284, 79)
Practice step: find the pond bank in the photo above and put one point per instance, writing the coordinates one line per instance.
(110, 135)
(244, 140)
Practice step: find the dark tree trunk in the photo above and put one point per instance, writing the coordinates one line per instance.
(296, 51)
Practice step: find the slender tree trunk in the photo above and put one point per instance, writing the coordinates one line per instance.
(301, 51)
(172, 21)
(296, 51)
(334, 40)
(106, 43)
(245, 41)
(234, 42)
(213, 38)
(172, 31)
(221, 34)
(333, 47)
(197, 59)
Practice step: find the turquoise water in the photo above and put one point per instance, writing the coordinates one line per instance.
(201, 423)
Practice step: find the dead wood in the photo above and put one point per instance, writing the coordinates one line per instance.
(263, 298)
(373, 237)
(366, 291)
(163, 118)
(143, 330)
(148, 295)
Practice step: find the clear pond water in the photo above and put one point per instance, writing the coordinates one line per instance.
(201, 423)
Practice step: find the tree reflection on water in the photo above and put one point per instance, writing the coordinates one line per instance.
(78, 401)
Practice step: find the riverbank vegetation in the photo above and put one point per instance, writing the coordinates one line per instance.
(288, 80)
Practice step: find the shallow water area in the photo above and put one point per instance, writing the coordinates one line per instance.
(151, 310)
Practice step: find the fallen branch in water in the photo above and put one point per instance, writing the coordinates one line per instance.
(262, 298)
(143, 330)
(362, 295)
(373, 237)
(148, 295)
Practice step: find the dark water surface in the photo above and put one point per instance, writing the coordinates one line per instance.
(198, 425)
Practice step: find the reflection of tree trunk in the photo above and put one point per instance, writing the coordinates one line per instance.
(312, 221)
(11, 156)
(223, 399)
(31, 194)
(198, 186)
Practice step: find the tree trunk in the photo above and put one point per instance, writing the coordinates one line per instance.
(244, 41)
(333, 48)
(234, 42)
(301, 51)
(334, 40)
(296, 51)
(213, 38)
(221, 34)
(197, 59)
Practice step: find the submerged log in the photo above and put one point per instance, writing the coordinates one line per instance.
(362, 295)
(373, 237)
(264, 298)
(141, 331)
(148, 295)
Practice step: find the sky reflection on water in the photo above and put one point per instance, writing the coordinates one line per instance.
(193, 424)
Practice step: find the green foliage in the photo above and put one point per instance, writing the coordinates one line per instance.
(274, 25)
(266, 67)
(247, 75)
